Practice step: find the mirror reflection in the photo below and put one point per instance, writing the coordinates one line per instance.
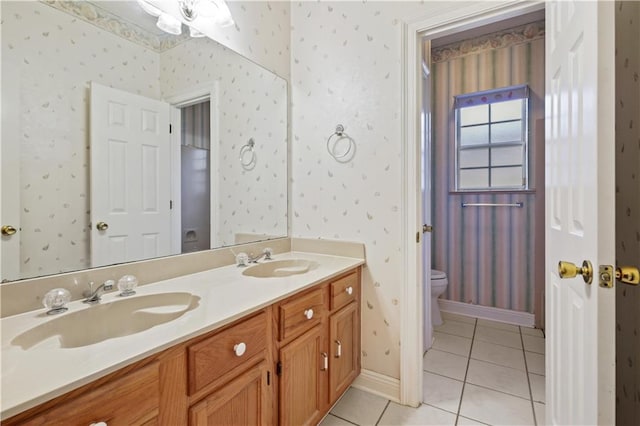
(121, 142)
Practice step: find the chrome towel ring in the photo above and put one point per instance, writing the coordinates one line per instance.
(341, 146)
(248, 155)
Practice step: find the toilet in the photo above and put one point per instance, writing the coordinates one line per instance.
(438, 286)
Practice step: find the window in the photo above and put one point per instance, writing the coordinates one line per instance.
(491, 139)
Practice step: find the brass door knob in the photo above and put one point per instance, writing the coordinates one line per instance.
(628, 275)
(101, 226)
(570, 270)
(8, 230)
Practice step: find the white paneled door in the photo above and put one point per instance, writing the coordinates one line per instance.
(580, 355)
(130, 177)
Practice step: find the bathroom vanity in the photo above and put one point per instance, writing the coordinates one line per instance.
(251, 350)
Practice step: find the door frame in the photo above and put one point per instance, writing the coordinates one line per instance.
(193, 95)
(451, 20)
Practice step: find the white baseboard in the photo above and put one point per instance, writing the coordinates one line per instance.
(378, 384)
(524, 319)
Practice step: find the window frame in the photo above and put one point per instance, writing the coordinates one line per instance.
(459, 102)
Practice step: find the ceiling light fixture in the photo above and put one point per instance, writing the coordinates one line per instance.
(198, 15)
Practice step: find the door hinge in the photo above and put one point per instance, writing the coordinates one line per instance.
(417, 237)
(279, 368)
(268, 378)
(170, 129)
(170, 204)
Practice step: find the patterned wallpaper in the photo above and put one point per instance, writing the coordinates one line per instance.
(346, 68)
(487, 252)
(48, 59)
(253, 105)
(627, 209)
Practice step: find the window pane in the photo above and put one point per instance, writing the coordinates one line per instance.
(474, 115)
(473, 179)
(506, 156)
(476, 135)
(506, 177)
(506, 132)
(510, 110)
(474, 158)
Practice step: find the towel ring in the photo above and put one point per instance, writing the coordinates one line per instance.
(248, 155)
(333, 145)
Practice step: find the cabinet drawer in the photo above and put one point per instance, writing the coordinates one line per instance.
(215, 356)
(344, 290)
(130, 400)
(301, 313)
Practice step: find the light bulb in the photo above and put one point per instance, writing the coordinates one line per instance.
(169, 24)
(149, 8)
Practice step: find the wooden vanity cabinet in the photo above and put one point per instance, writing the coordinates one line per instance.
(285, 364)
(319, 358)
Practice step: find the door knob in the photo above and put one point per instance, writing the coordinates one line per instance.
(101, 226)
(8, 230)
(628, 275)
(569, 270)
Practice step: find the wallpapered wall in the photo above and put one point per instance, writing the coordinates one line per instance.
(48, 59)
(487, 252)
(627, 209)
(346, 68)
(253, 105)
(53, 56)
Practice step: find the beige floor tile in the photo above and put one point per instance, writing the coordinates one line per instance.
(450, 343)
(399, 415)
(537, 387)
(445, 364)
(531, 331)
(441, 392)
(463, 421)
(533, 344)
(535, 363)
(359, 407)
(331, 420)
(496, 354)
(499, 337)
(457, 317)
(499, 325)
(496, 377)
(540, 414)
(495, 408)
(462, 329)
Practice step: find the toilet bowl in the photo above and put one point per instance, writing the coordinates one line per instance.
(438, 286)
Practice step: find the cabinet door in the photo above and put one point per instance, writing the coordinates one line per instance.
(344, 340)
(303, 381)
(244, 401)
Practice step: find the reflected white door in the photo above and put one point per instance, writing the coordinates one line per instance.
(130, 177)
(580, 135)
(426, 168)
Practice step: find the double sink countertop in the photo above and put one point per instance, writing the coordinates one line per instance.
(222, 295)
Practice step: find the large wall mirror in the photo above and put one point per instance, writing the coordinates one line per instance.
(121, 142)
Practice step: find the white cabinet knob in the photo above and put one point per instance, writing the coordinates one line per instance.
(240, 349)
(308, 313)
(349, 290)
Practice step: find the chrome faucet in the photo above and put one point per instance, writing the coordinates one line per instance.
(93, 296)
(266, 253)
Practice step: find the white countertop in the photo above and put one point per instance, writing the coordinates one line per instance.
(44, 371)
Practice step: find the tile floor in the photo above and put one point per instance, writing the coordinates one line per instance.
(477, 372)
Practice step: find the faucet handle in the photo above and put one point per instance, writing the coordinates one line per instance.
(268, 251)
(55, 300)
(242, 259)
(126, 284)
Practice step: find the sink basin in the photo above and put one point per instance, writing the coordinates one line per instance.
(105, 321)
(280, 268)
